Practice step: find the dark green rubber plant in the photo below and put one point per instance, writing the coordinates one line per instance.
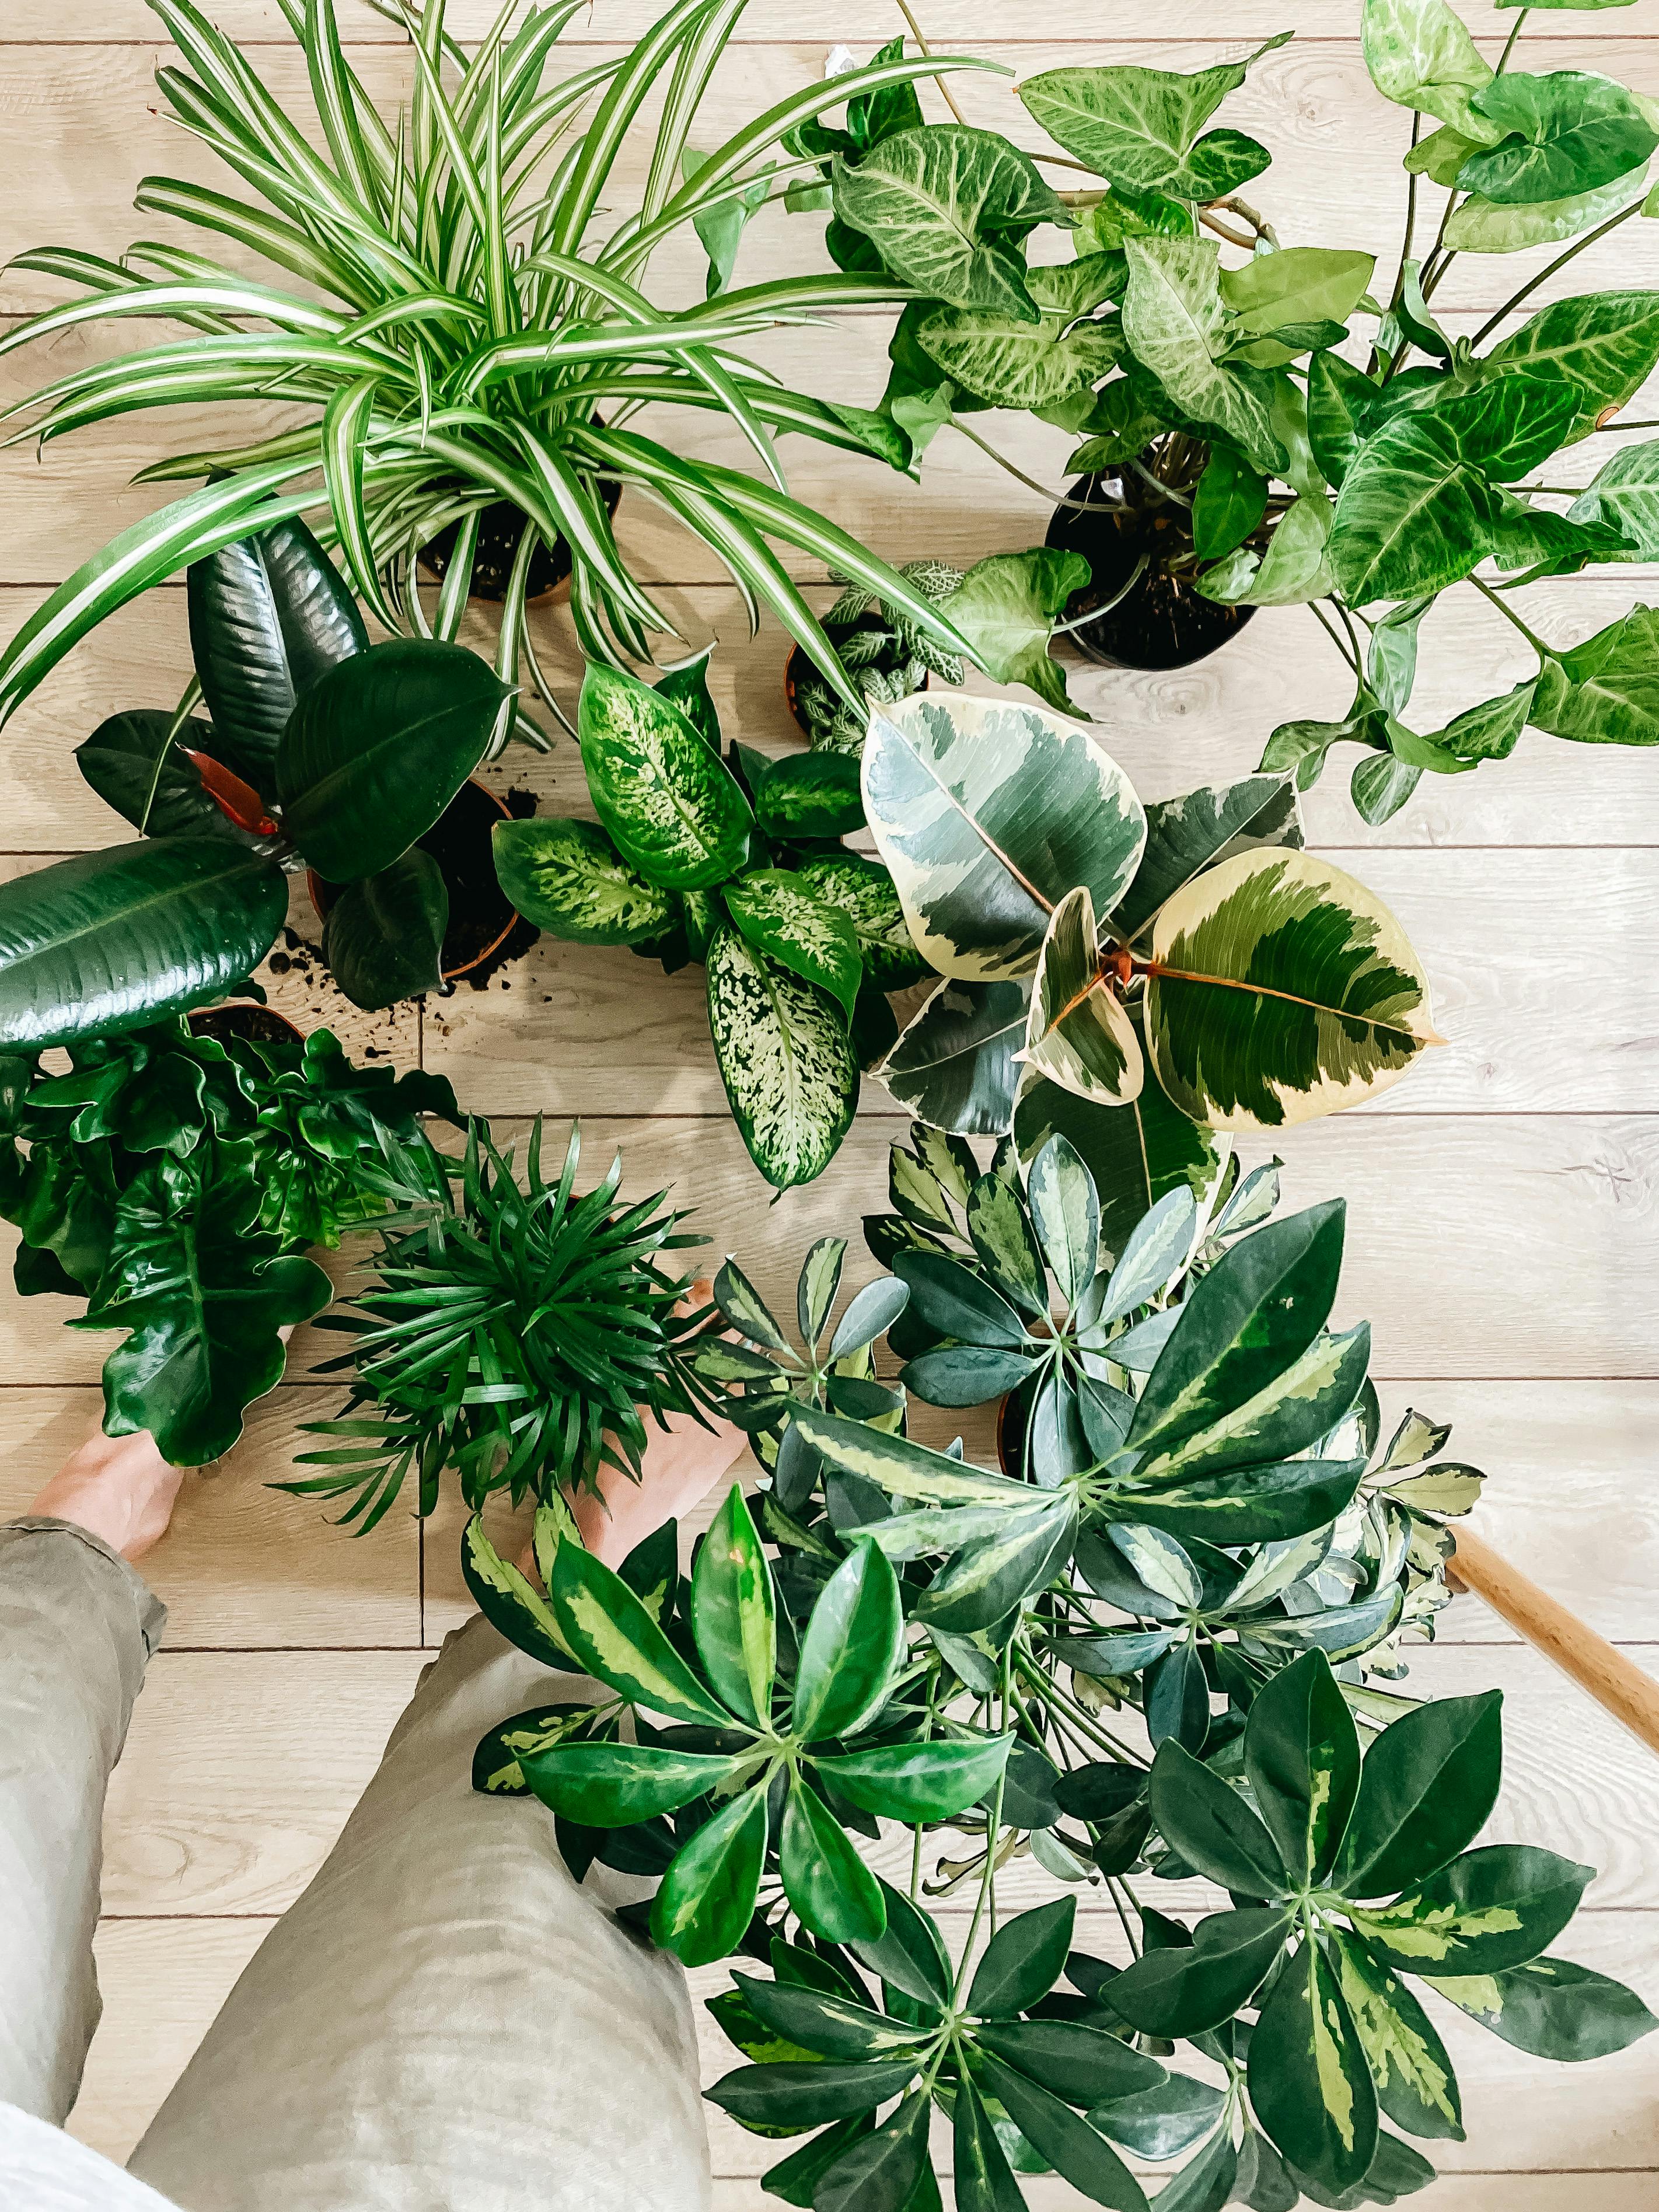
(1165, 1644)
(319, 749)
(175, 1182)
(736, 861)
(1238, 451)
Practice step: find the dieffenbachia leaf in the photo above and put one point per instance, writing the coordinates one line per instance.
(784, 1055)
(987, 813)
(1179, 328)
(1077, 1032)
(669, 803)
(783, 918)
(568, 878)
(953, 1066)
(948, 207)
(804, 795)
(864, 892)
(1339, 1005)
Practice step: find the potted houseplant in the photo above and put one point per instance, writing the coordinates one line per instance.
(464, 334)
(321, 748)
(1095, 952)
(175, 1180)
(510, 1327)
(1178, 1656)
(1234, 454)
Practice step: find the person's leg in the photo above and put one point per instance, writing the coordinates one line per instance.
(77, 1626)
(444, 2021)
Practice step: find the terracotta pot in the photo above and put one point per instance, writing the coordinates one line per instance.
(239, 1016)
(324, 893)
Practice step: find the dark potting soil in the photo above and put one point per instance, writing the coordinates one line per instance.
(499, 528)
(256, 1025)
(1161, 622)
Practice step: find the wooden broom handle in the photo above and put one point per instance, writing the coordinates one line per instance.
(1615, 1683)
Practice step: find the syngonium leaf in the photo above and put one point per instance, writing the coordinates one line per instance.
(1417, 510)
(669, 803)
(1180, 329)
(1605, 343)
(1481, 226)
(1006, 606)
(1340, 1003)
(1420, 55)
(1605, 691)
(1139, 127)
(1009, 362)
(987, 813)
(791, 1074)
(1624, 494)
(567, 877)
(1565, 133)
(947, 207)
(203, 1294)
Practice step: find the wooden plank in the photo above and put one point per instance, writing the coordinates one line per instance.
(1170, 731)
(1453, 2193)
(241, 1565)
(238, 1773)
(95, 128)
(1448, 1218)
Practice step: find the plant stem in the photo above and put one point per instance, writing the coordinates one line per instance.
(1559, 262)
(1083, 506)
(1509, 44)
(1329, 629)
(1123, 1918)
(993, 1829)
(1411, 215)
(1510, 614)
(945, 89)
(1102, 1737)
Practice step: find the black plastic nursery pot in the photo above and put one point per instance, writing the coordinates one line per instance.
(500, 526)
(1154, 619)
(797, 665)
(481, 918)
(245, 1018)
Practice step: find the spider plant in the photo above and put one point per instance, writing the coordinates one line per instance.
(469, 327)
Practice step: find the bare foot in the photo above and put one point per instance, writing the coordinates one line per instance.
(118, 1487)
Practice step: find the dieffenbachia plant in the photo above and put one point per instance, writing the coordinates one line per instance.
(175, 1183)
(468, 326)
(1161, 1658)
(1186, 966)
(320, 749)
(734, 862)
(1225, 413)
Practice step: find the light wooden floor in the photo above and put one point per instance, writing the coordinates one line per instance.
(1504, 1201)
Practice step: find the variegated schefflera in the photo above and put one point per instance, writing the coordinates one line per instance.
(1186, 966)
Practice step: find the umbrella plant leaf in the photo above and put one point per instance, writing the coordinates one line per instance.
(376, 749)
(881, 2172)
(990, 1575)
(1287, 1415)
(707, 1898)
(508, 1599)
(954, 1064)
(669, 803)
(984, 2180)
(1211, 1827)
(909, 1954)
(869, 1315)
(1429, 1781)
(1551, 2008)
(1339, 1001)
(1077, 1032)
(864, 892)
(568, 878)
(1153, 1256)
(948, 207)
(821, 2021)
(851, 1647)
(384, 935)
(1490, 1909)
(611, 1785)
(793, 2096)
(1076, 2150)
(1065, 1214)
(608, 1632)
(1184, 1990)
(908, 1470)
(1415, 2084)
(790, 1072)
(828, 1887)
(987, 813)
(1136, 1154)
(999, 1227)
(782, 917)
(1160, 2123)
(953, 1300)
(104, 942)
(1264, 1504)
(1310, 2084)
(1302, 1756)
(270, 614)
(1022, 1961)
(912, 1782)
(815, 1289)
(733, 1612)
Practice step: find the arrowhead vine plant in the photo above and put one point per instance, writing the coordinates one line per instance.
(1277, 428)
(175, 1183)
(1161, 1651)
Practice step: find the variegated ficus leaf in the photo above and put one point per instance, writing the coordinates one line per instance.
(1077, 1032)
(1280, 989)
(987, 813)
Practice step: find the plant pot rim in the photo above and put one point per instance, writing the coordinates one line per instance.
(553, 596)
(251, 1005)
(314, 882)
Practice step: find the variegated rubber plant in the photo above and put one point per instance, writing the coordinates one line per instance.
(469, 327)
(1156, 1656)
(1186, 966)
(1268, 424)
(736, 862)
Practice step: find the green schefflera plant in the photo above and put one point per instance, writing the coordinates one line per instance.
(734, 862)
(512, 1328)
(468, 330)
(1098, 953)
(1234, 454)
(318, 749)
(1160, 1655)
(175, 1182)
